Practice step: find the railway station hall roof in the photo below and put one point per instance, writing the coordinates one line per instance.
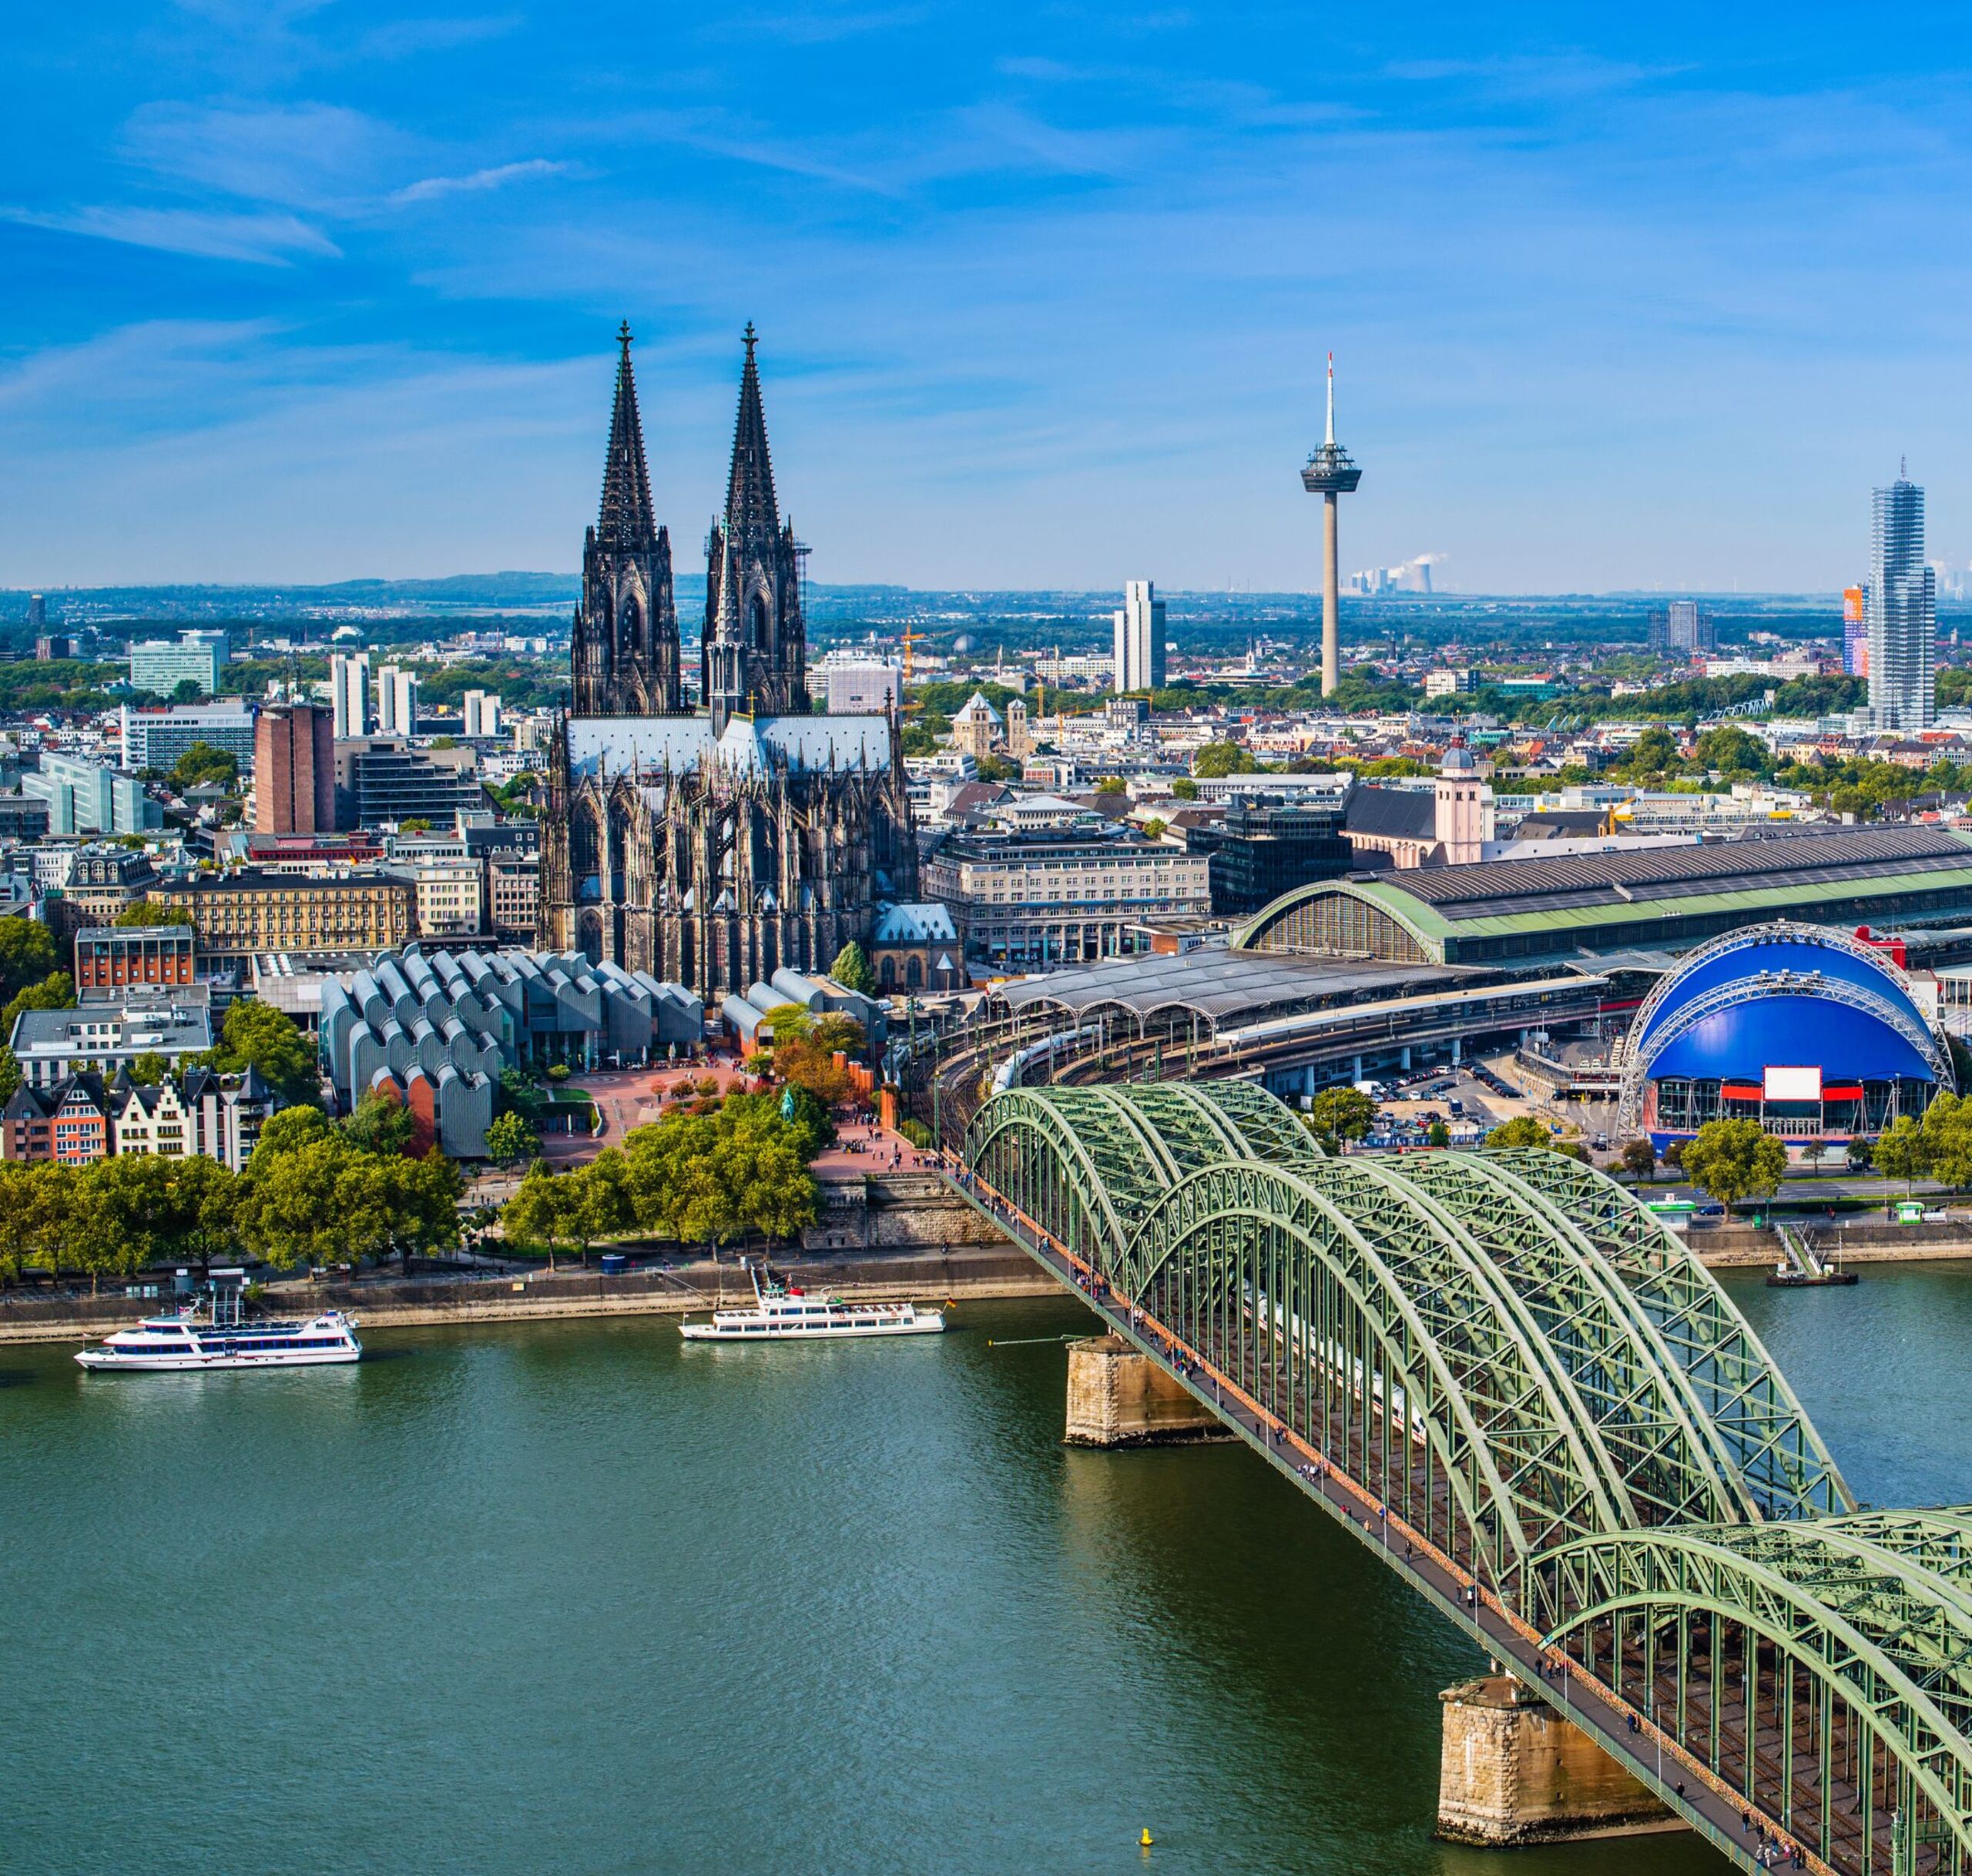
(1219, 985)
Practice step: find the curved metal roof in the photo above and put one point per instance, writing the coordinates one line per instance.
(1780, 950)
(1737, 1043)
(1783, 994)
(1216, 984)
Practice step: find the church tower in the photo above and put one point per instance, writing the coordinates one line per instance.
(626, 641)
(754, 656)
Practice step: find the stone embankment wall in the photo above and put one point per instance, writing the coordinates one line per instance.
(1868, 1241)
(887, 1237)
(896, 1210)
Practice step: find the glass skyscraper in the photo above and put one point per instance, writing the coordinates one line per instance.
(1903, 612)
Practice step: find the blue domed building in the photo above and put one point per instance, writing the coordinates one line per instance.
(1816, 1035)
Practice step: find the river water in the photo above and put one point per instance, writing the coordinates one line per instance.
(573, 1597)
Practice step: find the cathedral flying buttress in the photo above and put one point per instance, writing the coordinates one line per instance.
(711, 847)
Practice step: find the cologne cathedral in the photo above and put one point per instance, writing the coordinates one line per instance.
(713, 846)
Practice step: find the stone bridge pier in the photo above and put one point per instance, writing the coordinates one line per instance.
(1120, 1397)
(1512, 1770)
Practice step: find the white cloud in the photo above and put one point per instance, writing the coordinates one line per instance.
(432, 187)
(267, 240)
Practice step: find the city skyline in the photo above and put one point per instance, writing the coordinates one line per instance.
(324, 293)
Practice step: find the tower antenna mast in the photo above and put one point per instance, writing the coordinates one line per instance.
(1331, 473)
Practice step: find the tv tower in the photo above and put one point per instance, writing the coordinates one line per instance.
(1331, 472)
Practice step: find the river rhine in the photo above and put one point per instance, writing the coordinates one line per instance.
(573, 1597)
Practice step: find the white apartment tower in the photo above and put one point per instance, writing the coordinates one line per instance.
(349, 693)
(397, 700)
(482, 714)
(1902, 612)
(1139, 665)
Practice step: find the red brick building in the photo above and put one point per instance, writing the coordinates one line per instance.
(294, 771)
(115, 957)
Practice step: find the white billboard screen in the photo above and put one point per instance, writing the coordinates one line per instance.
(1793, 1084)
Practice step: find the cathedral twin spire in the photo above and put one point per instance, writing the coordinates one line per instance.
(627, 519)
(754, 656)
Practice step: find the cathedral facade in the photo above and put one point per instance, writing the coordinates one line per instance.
(711, 847)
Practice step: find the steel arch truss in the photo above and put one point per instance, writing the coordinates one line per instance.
(1769, 1438)
(1530, 1371)
(1827, 1675)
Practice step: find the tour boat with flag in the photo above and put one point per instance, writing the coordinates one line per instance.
(783, 1314)
(222, 1336)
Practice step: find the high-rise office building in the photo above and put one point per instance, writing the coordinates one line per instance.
(1680, 627)
(349, 693)
(1855, 631)
(397, 700)
(481, 711)
(88, 798)
(1139, 639)
(37, 612)
(162, 664)
(1902, 612)
(294, 771)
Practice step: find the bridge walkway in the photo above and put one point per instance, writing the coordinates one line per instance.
(1718, 1808)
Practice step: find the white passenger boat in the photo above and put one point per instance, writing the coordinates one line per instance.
(784, 1314)
(222, 1337)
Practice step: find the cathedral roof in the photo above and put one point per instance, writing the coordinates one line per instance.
(627, 518)
(615, 745)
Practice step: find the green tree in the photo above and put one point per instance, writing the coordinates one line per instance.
(149, 1068)
(712, 1176)
(1337, 1114)
(1638, 1157)
(10, 1072)
(1947, 1131)
(1112, 785)
(853, 970)
(380, 1125)
(1902, 1152)
(1731, 1160)
(423, 1196)
(55, 991)
(1438, 1134)
(150, 912)
(1153, 827)
(416, 825)
(1185, 789)
(518, 1094)
(256, 1035)
(186, 691)
(201, 1220)
(540, 1212)
(601, 1205)
(1524, 1131)
(27, 953)
(204, 766)
(125, 1219)
(788, 1022)
(509, 1140)
(1223, 759)
(291, 1210)
(290, 1128)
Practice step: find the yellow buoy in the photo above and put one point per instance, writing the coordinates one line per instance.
(1145, 1839)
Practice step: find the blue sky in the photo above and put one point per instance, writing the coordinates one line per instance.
(1635, 297)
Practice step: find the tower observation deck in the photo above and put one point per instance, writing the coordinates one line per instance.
(1331, 473)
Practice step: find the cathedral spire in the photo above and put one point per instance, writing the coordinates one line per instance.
(627, 519)
(751, 511)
